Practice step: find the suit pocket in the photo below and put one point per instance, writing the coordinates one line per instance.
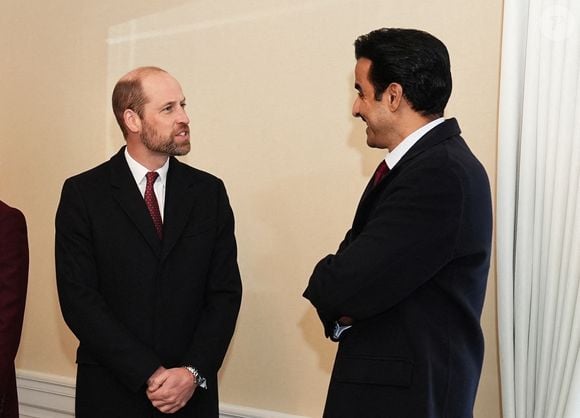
(385, 371)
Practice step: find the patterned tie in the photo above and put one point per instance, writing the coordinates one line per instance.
(151, 202)
(382, 171)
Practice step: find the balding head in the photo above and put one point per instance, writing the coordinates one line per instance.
(128, 94)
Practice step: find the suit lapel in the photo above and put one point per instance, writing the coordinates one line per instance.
(435, 136)
(367, 202)
(179, 201)
(432, 138)
(368, 189)
(127, 194)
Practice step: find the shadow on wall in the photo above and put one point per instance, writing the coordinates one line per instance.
(313, 334)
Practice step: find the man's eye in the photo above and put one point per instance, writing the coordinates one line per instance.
(167, 108)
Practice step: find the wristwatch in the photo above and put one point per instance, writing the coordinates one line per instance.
(199, 380)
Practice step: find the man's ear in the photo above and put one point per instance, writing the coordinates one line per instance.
(132, 120)
(394, 96)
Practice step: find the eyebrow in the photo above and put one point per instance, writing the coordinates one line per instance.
(173, 102)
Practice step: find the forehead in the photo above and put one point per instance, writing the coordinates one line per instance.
(160, 88)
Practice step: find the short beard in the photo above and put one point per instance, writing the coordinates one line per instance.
(153, 141)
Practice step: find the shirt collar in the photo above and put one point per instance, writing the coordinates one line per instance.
(139, 171)
(400, 150)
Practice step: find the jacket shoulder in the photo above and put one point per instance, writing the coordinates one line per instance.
(9, 213)
(94, 174)
(194, 174)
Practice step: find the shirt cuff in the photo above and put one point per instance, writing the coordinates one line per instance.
(338, 330)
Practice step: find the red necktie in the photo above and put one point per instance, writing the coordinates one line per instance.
(381, 172)
(151, 202)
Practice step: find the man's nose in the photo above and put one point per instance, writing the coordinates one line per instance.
(183, 118)
(355, 108)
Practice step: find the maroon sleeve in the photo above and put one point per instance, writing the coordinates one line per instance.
(13, 283)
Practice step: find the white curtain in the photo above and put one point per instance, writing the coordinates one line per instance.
(538, 210)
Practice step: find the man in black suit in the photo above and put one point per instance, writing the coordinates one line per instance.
(146, 265)
(404, 292)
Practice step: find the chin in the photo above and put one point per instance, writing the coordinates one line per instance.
(184, 150)
(377, 142)
(372, 143)
(180, 152)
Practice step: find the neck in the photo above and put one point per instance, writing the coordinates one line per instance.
(409, 124)
(415, 122)
(149, 159)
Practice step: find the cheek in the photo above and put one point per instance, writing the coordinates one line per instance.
(165, 128)
(371, 118)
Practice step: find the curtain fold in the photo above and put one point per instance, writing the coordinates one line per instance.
(538, 210)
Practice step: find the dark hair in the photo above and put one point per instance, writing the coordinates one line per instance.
(128, 94)
(416, 60)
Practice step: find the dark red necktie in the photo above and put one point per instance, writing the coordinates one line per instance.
(151, 202)
(381, 172)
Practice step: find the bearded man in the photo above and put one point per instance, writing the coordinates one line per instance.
(403, 294)
(146, 265)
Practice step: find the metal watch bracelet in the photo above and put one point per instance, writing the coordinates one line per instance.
(199, 380)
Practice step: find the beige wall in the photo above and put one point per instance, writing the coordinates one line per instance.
(269, 88)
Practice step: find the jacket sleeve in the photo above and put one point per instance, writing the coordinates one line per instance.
(83, 307)
(13, 283)
(410, 234)
(222, 297)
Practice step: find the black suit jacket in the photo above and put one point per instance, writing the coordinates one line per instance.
(136, 302)
(412, 272)
(13, 282)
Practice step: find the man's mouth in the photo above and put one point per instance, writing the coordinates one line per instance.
(183, 132)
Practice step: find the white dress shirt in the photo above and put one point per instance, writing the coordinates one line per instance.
(139, 173)
(400, 150)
